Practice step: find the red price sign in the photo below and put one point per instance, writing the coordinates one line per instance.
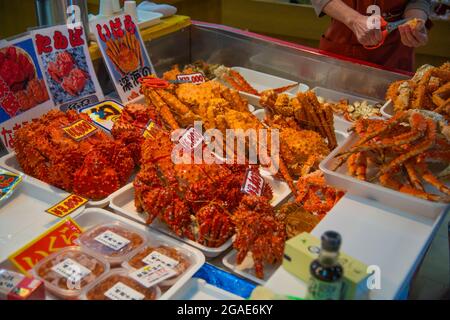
(253, 183)
(67, 206)
(195, 78)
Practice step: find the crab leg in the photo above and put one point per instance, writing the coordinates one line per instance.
(431, 179)
(412, 174)
(165, 112)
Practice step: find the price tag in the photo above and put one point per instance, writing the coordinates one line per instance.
(191, 139)
(71, 270)
(121, 291)
(148, 130)
(112, 240)
(157, 259)
(253, 183)
(194, 78)
(80, 129)
(104, 114)
(149, 275)
(67, 206)
(8, 183)
(8, 281)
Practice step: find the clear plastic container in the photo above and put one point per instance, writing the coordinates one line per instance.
(67, 272)
(164, 254)
(113, 241)
(117, 285)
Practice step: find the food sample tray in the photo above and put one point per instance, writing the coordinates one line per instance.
(94, 216)
(229, 261)
(333, 96)
(122, 202)
(372, 191)
(10, 162)
(199, 289)
(263, 81)
(23, 216)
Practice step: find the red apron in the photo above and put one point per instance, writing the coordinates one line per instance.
(341, 40)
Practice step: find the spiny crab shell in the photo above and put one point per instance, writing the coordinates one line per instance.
(93, 167)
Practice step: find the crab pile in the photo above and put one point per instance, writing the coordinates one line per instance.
(65, 72)
(400, 153)
(135, 123)
(93, 167)
(429, 89)
(196, 201)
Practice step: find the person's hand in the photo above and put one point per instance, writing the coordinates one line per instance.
(366, 36)
(413, 36)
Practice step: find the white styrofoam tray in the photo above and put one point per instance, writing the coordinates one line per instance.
(23, 216)
(263, 81)
(372, 191)
(94, 216)
(229, 261)
(333, 96)
(387, 110)
(199, 289)
(10, 162)
(122, 202)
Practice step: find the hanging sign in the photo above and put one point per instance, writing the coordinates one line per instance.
(124, 53)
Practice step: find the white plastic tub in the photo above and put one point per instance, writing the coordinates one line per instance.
(263, 81)
(95, 216)
(199, 289)
(23, 216)
(229, 261)
(372, 191)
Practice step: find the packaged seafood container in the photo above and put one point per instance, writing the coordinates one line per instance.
(113, 241)
(263, 81)
(23, 215)
(10, 162)
(199, 289)
(118, 285)
(372, 191)
(160, 254)
(95, 216)
(229, 261)
(67, 272)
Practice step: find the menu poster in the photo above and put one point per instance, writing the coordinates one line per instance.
(124, 53)
(68, 71)
(23, 91)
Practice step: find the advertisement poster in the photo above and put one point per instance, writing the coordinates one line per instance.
(104, 114)
(23, 91)
(68, 71)
(124, 53)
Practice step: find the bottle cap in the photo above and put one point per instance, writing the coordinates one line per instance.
(331, 241)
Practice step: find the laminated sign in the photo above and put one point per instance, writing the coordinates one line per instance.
(104, 114)
(68, 71)
(124, 53)
(24, 94)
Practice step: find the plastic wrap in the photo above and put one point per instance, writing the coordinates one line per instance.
(225, 280)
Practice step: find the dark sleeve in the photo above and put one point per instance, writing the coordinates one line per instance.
(424, 5)
(319, 5)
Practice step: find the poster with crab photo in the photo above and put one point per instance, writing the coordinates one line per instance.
(124, 53)
(68, 71)
(23, 91)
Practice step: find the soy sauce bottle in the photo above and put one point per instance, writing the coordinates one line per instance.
(326, 272)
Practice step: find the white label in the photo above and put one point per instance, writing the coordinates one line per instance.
(112, 240)
(253, 183)
(191, 139)
(71, 270)
(149, 275)
(192, 77)
(157, 259)
(121, 291)
(8, 281)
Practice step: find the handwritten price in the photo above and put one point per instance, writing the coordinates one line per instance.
(67, 206)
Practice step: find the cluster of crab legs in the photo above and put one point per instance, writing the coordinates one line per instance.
(401, 150)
